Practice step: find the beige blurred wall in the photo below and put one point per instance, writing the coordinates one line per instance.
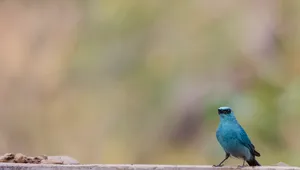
(37, 40)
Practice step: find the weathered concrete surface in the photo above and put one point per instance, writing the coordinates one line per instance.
(12, 166)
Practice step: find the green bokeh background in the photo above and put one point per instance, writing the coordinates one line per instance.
(140, 81)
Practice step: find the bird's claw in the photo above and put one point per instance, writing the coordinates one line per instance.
(218, 165)
(241, 166)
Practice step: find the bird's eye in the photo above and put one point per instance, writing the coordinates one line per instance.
(224, 111)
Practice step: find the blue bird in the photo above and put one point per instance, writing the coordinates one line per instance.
(234, 140)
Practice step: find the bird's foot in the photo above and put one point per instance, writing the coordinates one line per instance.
(241, 166)
(220, 165)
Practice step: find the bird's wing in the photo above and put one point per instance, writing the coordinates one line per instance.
(244, 139)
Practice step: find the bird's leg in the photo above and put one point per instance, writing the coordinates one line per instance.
(220, 164)
(241, 166)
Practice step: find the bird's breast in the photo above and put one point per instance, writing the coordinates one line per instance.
(228, 138)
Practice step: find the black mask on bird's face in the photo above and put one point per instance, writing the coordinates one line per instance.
(224, 110)
(226, 113)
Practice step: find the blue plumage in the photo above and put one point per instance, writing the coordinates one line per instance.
(233, 138)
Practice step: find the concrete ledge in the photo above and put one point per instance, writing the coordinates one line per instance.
(13, 166)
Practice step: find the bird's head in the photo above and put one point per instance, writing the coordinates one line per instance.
(226, 113)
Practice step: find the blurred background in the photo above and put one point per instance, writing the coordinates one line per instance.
(114, 81)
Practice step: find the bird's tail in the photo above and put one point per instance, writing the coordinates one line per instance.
(253, 162)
